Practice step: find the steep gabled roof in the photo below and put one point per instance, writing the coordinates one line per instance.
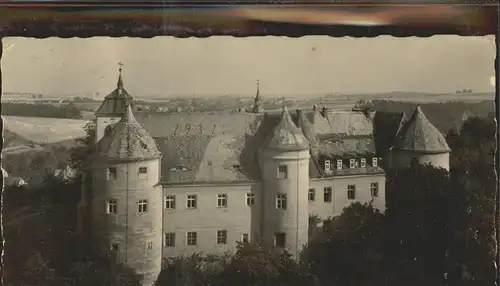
(115, 104)
(386, 126)
(419, 135)
(127, 140)
(286, 135)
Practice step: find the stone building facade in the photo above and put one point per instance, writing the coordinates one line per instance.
(168, 185)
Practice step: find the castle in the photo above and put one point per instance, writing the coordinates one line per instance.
(166, 185)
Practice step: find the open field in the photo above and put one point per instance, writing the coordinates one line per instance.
(44, 130)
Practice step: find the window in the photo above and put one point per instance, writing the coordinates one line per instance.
(112, 173)
(222, 200)
(351, 192)
(143, 173)
(114, 247)
(191, 238)
(170, 202)
(374, 161)
(339, 164)
(374, 189)
(142, 206)
(112, 206)
(280, 201)
(244, 238)
(191, 202)
(312, 195)
(222, 237)
(282, 172)
(250, 199)
(327, 165)
(363, 163)
(327, 194)
(170, 239)
(352, 163)
(280, 239)
(150, 245)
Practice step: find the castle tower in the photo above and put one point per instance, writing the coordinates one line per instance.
(258, 106)
(127, 204)
(113, 107)
(285, 170)
(420, 142)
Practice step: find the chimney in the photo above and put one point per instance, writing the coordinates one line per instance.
(323, 111)
(314, 107)
(299, 117)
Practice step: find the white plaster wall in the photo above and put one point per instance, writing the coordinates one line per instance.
(293, 221)
(339, 194)
(207, 218)
(403, 159)
(130, 229)
(102, 123)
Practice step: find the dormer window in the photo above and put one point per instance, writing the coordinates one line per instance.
(327, 165)
(363, 163)
(339, 164)
(352, 163)
(178, 169)
(374, 162)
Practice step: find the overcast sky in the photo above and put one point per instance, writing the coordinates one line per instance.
(225, 65)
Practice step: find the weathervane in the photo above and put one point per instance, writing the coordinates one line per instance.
(120, 64)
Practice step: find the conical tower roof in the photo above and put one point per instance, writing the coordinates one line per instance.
(127, 140)
(115, 103)
(420, 135)
(286, 135)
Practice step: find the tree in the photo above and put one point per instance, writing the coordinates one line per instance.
(423, 213)
(97, 268)
(84, 148)
(37, 272)
(473, 162)
(351, 244)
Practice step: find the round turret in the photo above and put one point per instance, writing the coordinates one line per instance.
(127, 200)
(285, 172)
(420, 142)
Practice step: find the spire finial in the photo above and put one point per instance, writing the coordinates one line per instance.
(120, 80)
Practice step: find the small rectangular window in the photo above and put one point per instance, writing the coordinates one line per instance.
(222, 200)
(352, 163)
(143, 173)
(170, 202)
(191, 202)
(150, 245)
(112, 175)
(250, 199)
(112, 207)
(114, 247)
(281, 201)
(327, 165)
(374, 190)
(363, 163)
(374, 162)
(170, 239)
(142, 206)
(280, 239)
(312, 195)
(245, 238)
(327, 194)
(222, 237)
(282, 172)
(351, 192)
(192, 238)
(339, 164)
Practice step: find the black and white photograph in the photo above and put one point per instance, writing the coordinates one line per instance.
(258, 161)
